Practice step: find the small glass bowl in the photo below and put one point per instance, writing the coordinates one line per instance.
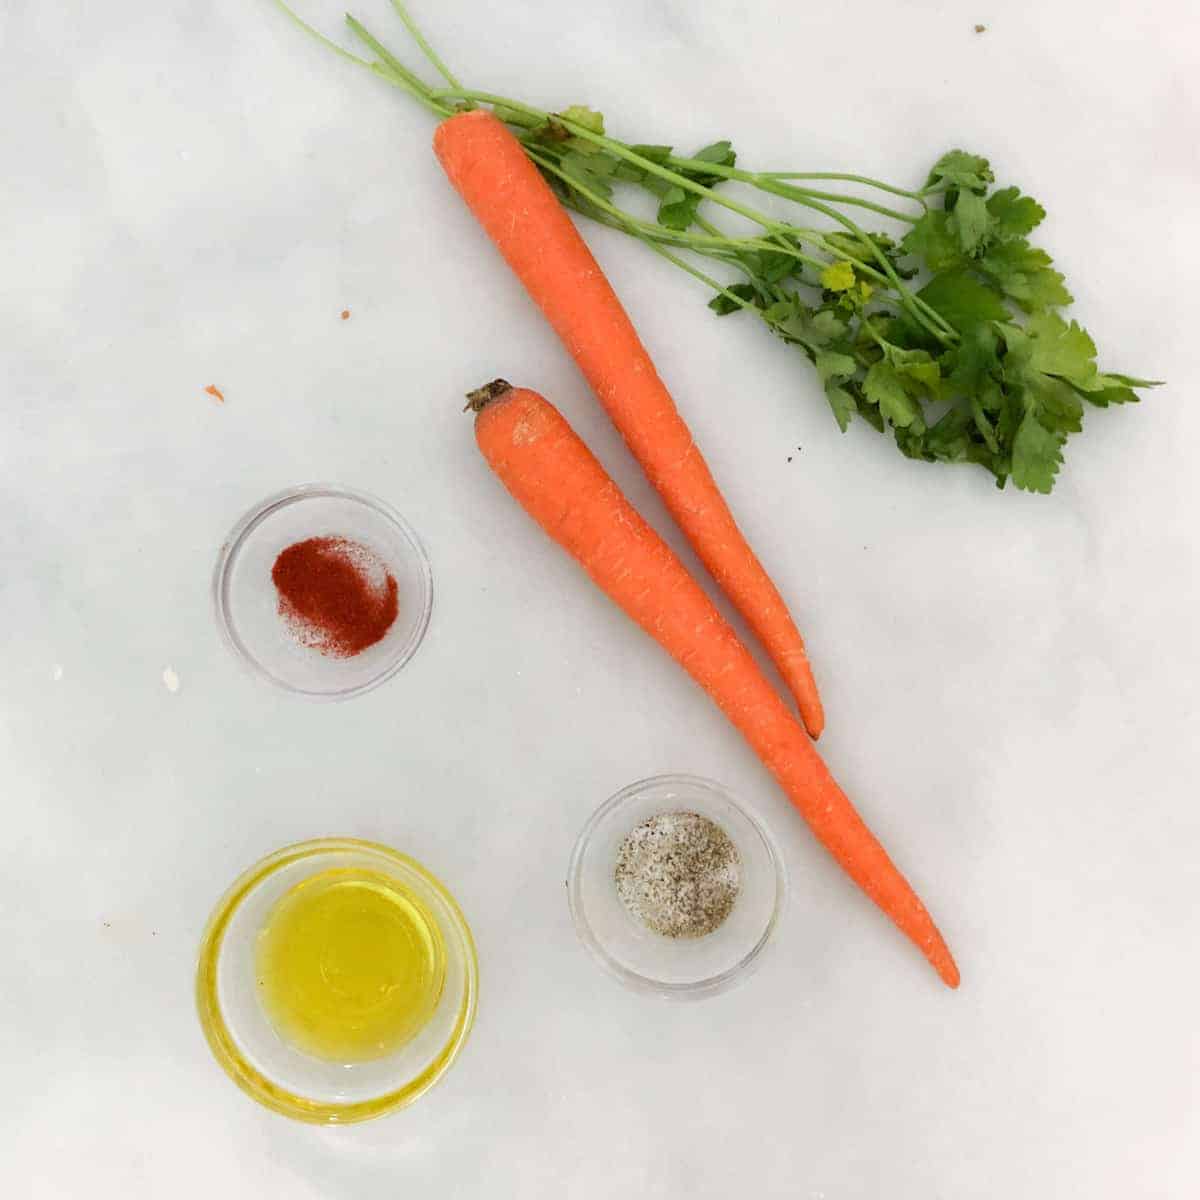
(247, 602)
(247, 1045)
(684, 968)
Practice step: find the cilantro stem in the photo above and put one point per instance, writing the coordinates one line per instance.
(393, 71)
(722, 290)
(921, 312)
(916, 307)
(390, 67)
(649, 234)
(620, 149)
(313, 32)
(725, 246)
(858, 202)
(757, 179)
(880, 342)
(928, 317)
(842, 177)
(695, 271)
(422, 45)
(436, 62)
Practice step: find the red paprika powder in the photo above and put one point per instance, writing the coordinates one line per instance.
(336, 595)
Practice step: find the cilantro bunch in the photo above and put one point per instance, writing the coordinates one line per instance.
(943, 330)
(972, 363)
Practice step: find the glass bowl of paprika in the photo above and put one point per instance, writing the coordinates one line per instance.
(323, 590)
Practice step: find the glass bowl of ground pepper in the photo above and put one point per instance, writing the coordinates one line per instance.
(676, 888)
(323, 590)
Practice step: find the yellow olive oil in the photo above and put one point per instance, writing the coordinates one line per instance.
(350, 965)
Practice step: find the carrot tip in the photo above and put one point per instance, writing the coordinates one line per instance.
(948, 970)
(814, 723)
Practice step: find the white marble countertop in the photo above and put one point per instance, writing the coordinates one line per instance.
(192, 195)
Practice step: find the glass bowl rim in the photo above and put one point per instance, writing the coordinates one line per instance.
(250, 520)
(235, 1064)
(638, 981)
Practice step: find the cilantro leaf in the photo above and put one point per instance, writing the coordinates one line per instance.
(961, 170)
(931, 240)
(834, 366)
(1113, 394)
(1043, 290)
(1024, 272)
(963, 299)
(916, 367)
(842, 403)
(772, 267)
(838, 277)
(1128, 380)
(884, 387)
(634, 173)
(580, 114)
(1036, 456)
(975, 362)
(855, 246)
(825, 327)
(677, 209)
(656, 154)
(722, 303)
(969, 221)
(593, 171)
(986, 429)
(868, 411)
(1061, 349)
(1014, 215)
(990, 396)
(1059, 407)
(720, 154)
(948, 439)
(1113, 388)
(782, 310)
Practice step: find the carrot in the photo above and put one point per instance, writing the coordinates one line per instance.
(561, 485)
(531, 229)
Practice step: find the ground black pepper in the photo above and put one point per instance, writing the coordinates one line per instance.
(679, 874)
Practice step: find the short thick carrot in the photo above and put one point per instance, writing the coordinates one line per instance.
(562, 486)
(532, 230)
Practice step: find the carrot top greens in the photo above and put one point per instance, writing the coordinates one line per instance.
(943, 329)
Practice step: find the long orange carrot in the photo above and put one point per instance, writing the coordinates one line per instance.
(562, 486)
(531, 229)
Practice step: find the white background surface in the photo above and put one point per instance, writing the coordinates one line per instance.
(192, 192)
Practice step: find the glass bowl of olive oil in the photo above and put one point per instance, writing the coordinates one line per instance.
(337, 981)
